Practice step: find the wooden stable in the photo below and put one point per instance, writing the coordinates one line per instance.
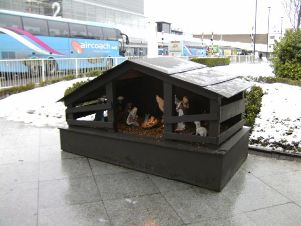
(215, 99)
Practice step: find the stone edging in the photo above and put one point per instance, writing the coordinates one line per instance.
(263, 151)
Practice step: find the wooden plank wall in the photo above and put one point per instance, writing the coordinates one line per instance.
(169, 119)
(72, 112)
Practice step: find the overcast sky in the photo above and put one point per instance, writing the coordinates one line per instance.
(218, 16)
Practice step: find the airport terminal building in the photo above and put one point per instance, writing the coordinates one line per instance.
(127, 15)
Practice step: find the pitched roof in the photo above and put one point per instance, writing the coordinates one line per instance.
(172, 69)
(218, 82)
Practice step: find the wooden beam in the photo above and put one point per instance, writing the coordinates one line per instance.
(89, 108)
(93, 124)
(110, 97)
(110, 94)
(167, 89)
(191, 118)
(78, 95)
(232, 109)
(229, 132)
(190, 138)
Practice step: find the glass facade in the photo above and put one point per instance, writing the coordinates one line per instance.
(43, 7)
(127, 15)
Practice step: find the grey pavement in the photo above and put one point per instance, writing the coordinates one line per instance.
(42, 185)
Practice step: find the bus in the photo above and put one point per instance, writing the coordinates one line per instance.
(28, 36)
(186, 48)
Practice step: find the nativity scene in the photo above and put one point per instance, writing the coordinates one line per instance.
(157, 109)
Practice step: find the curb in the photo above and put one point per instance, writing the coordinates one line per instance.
(268, 152)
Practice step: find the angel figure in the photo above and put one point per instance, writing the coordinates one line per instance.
(160, 103)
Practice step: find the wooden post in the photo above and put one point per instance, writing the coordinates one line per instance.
(110, 94)
(69, 116)
(214, 126)
(168, 102)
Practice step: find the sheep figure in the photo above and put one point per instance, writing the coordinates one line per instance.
(199, 130)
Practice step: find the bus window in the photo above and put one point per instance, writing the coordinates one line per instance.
(78, 31)
(10, 21)
(94, 32)
(8, 55)
(58, 29)
(109, 33)
(35, 26)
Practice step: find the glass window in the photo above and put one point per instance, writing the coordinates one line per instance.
(8, 55)
(166, 28)
(35, 26)
(95, 32)
(10, 21)
(118, 34)
(57, 28)
(109, 34)
(78, 30)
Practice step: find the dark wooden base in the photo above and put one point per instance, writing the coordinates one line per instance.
(206, 167)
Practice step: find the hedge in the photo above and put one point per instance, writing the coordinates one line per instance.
(253, 105)
(287, 56)
(18, 89)
(212, 62)
(74, 87)
(276, 80)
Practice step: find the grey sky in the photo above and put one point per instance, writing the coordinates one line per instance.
(218, 16)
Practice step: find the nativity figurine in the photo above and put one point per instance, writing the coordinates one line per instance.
(132, 118)
(199, 130)
(149, 122)
(181, 108)
(160, 103)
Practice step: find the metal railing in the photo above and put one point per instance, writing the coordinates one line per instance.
(25, 71)
(234, 59)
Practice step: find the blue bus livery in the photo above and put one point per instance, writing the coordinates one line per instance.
(28, 36)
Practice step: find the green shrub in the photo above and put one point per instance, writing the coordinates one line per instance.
(287, 56)
(16, 89)
(212, 62)
(55, 80)
(276, 80)
(253, 105)
(93, 73)
(74, 87)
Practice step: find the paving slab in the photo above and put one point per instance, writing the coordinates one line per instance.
(238, 220)
(20, 172)
(142, 210)
(102, 168)
(65, 168)
(92, 214)
(18, 204)
(70, 191)
(288, 184)
(41, 185)
(287, 214)
(125, 185)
